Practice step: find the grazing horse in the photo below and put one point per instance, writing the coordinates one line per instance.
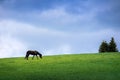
(34, 53)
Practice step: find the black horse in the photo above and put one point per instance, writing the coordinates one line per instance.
(34, 53)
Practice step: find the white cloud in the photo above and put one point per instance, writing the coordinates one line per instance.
(56, 15)
(59, 17)
(11, 47)
(62, 49)
(14, 27)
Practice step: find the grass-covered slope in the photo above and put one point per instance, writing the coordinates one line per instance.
(62, 67)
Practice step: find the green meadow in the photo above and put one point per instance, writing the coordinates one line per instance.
(105, 66)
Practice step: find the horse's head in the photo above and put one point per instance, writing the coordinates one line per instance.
(40, 55)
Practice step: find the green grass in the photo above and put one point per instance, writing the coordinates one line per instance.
(62, 67)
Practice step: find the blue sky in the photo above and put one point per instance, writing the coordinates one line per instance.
(57, 26)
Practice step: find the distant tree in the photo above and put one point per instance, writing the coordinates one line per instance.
(112, 46)
(103, 47)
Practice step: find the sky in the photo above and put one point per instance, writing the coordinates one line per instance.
(55, 27)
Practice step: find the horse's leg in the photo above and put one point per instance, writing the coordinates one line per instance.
(26, 57)
(33, 57)
(37, 56)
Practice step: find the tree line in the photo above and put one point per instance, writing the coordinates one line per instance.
(108, 47)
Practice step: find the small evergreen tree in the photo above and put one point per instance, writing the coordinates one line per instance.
(103, 47)
(112, 46)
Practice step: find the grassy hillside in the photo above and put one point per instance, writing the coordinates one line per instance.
(62, 67)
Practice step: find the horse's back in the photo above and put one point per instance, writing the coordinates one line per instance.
(31, 52)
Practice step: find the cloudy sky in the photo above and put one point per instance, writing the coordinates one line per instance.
(57, 26)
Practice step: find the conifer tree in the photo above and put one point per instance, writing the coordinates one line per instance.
(112, 46)
(103, 47)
